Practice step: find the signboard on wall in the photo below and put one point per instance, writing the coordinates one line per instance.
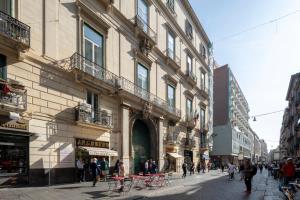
(91, 143)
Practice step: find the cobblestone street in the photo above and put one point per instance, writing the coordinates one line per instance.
(212, 185)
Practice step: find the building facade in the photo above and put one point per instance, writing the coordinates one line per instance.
(290, 130)
(264, 150)
(231, 128)
(109, 79)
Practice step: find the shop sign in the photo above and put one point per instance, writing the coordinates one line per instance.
(91, 143)
(14, 124)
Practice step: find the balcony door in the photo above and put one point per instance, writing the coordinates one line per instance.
(189, 64)
(93, 52)
(171, 97)
(93, 100)
(142, 81)
(6, 7)
(202, 117)
(142, 13)
(171, 45)
(189, 109)
(3, 69)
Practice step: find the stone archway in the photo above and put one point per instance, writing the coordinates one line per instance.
(144, 142)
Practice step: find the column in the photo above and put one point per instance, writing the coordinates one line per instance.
(161, 160)
(125, 138)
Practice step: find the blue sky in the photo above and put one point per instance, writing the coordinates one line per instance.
(262, 59)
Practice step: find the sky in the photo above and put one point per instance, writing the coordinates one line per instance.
(262, 59)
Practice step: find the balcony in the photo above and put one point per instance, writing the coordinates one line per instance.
(145, 32)
(13, 96)
(204, 92)
(13, 32)
(204, 146)
(137, 91)
(172, 60)
(191, 77)
(171, 140)
(190, 120)
(190, 142)
(88, 117)
(204, 128)
(91, 73)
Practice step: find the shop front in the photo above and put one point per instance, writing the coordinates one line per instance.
(14, 152)
(87, 149)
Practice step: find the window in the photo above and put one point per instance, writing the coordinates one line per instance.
(3, 68)
(203, 50)
(171, 5)
(142, 13)
(6, 6)
(202, 117)
(93, 100)
(171, 96)
(189, 108)
(142, 77)
(203, 76)
(171, 45)
(188, 29)
(189, 63)
(93, 50)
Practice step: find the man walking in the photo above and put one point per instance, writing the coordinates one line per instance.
(249, 171)
(288, 171)
(79, 165)
(184, 169)
(95, 171)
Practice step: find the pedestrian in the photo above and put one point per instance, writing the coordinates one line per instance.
(153, 167)
(241, 171)
(150, 165)
(192, 169)
(198, 167)
(122, 174)
(231, 170)
(249, 171)
(146, 167)
(104, 168)
(117, 167)
(222, 167)
(208, 166)
(184, 168)
(203, 167)
(95, 171)
(288, 171)
(79, 165)
(260, 166)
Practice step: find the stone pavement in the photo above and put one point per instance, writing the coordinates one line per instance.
(208, 186)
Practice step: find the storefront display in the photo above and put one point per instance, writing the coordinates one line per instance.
(14, 157)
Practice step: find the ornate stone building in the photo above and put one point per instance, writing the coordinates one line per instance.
(117, 79)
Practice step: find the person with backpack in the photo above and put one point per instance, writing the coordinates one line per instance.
(249, 171)
(184, 169)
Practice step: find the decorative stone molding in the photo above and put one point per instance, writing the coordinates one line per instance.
(147, 110)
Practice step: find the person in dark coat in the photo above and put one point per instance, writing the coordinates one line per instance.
(117, 167)
(95, 171)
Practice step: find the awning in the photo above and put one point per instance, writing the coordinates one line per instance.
(175, 155)
(94, 151)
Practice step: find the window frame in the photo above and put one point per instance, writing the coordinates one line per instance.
(186, 106)
(171, 5)
(187, 64)
(202, 80)
(147, 14)
(202, 117)
(170, 33)
(189, 29)
(174, 94)
(148, 75)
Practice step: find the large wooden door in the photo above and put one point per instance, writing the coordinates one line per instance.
(141, 144)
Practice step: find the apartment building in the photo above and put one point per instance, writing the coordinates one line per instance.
(264, 150)
(290, 130)
(231, 128)
(108, 79)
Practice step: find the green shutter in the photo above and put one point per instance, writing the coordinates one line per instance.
(3, 67)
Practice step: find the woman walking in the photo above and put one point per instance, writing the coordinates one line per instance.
(95, 171)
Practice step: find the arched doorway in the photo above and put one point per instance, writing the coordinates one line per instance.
(141, 144)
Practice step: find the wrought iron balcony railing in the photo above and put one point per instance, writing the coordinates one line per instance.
(13, 96)
(91, 116)
(173, 56)
(14, 29)
(134, 89)
(78, 61)
(191, 75)
(144, 26)
(171, 5)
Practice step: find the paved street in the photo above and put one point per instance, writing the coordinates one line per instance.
(213, 185)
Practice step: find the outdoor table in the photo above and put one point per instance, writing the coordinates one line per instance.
(115, 184)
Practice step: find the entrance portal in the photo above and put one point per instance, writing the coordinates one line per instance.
(141, 145)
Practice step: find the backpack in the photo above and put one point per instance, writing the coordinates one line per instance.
(254, 170)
